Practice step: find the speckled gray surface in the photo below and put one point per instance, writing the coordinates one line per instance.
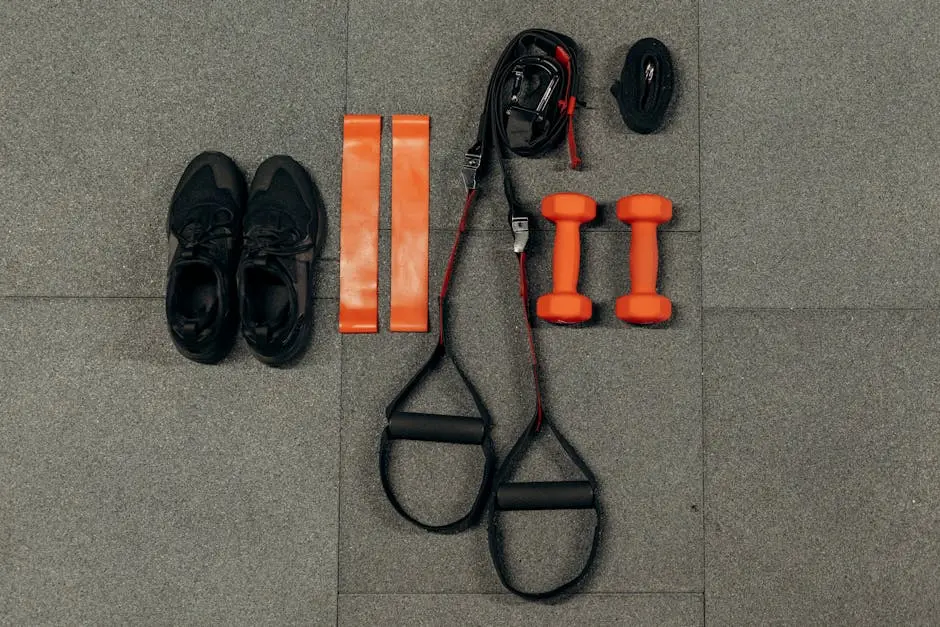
(479, 610)
(104, 104)
(822, 467)
(144, 488)
(141, 488)
(819, 154)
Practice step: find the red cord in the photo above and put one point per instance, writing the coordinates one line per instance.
(523, 293)
(568, 106)
(448, 273)
(572, 146)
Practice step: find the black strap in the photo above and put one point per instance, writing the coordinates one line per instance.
(645, 86)
(530, 105)
(514, 127)
(469, 430)
(549, 495)
(541, 114)
(508, 495)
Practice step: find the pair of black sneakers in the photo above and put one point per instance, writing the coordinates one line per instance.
(248, 253)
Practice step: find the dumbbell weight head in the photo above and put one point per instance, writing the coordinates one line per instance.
(570, 207)
(643, 308)
(564, 308)
(644, 208)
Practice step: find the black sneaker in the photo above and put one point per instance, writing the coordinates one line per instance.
(284, 227)
(204, 231)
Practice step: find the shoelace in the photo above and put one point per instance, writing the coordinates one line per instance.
(268, 239)
(198, 233)
(202, 238)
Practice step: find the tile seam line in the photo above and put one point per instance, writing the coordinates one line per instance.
(14, 297)
(339, 466)
(507, 594)
(342, 361)
(702, 310)
(708, 308)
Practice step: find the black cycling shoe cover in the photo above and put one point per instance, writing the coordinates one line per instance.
(204, 233)
(284, 226)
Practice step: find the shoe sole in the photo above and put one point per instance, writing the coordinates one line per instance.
(214, 356)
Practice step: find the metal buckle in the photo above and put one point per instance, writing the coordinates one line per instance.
(520, 233)
(518, 72)
(471, 163)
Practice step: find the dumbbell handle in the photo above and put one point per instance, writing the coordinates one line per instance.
(566, 257)
(644, 257)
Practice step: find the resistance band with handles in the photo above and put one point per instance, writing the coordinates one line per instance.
(469, 430)
(529, 110)
(528, 122)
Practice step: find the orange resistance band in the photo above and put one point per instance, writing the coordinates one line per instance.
(359, 225)
(411, 139)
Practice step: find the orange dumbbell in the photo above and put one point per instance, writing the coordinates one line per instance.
(564, 305)
(644, 212)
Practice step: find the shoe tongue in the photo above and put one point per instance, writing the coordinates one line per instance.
(269, 225)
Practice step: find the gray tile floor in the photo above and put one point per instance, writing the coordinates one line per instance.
(771, 456)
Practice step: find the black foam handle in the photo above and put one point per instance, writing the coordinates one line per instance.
(406, 425)
(545, 495)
